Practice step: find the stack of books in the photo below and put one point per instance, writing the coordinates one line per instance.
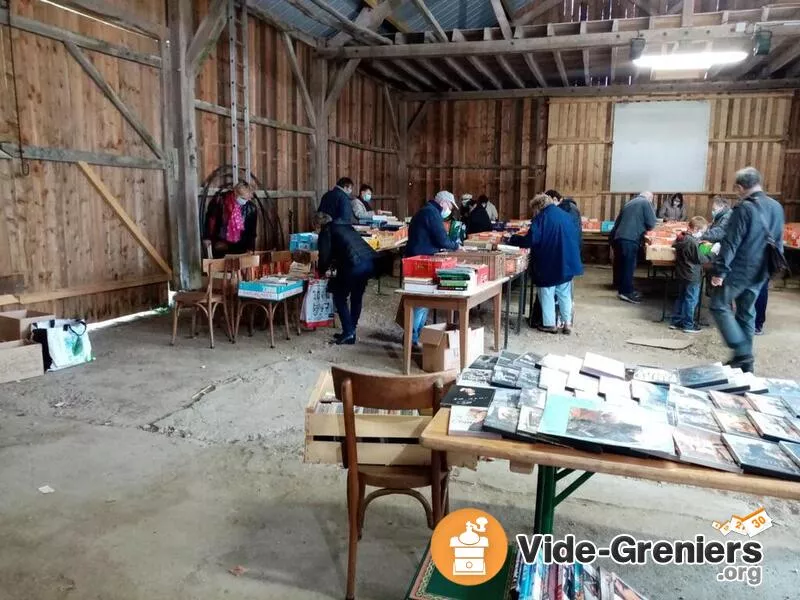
(459, 279)
(424, 285)
(600, 405)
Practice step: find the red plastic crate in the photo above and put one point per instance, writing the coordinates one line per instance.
(425, 266)
(481, 273)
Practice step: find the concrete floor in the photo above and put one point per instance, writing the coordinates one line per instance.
(157, 497)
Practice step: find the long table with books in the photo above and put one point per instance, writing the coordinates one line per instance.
(709, 425)
(450, 301)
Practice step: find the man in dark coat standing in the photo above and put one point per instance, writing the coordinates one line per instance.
(337, 202)
(635, 219)
(478, 220)
(740, 270)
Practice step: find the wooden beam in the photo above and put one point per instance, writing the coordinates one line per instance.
(614, 56)
(301, 81)
(137, 233)
(411, 70)
(502, 18)
(428, 15)
(687, 13)
(207, 34)
(587, 76)
(349, 26)
(342, 77)
(437, 72)
(697, 87)
(401, 172)
(531, 62)
(396, 76)
(561, 70)
(456, 66)
(86, 42)
(387, 96)
(359, 146)
(112, 95)
(319, 166)
(559, 42)
(476, 62)
(82, 290)
(418, 117)
(781, 59)
(224, 111)
(370, 18)
(105, 11)
(73, 156)
(401, 26)
(533, 10)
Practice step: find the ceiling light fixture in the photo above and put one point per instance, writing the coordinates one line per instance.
(689, 61)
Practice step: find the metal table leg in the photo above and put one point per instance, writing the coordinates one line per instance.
(546, 497)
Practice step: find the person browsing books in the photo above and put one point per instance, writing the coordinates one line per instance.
(673, 209)
(689, 273)
(555, 260)
(478, 220)
(341, 247)
(741, 268)
(427, 236)
(635, 219)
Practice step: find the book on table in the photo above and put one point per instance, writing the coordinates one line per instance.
(585, 383)
(611, 387)
(704, 448)
(601, 366)
(678, 393)
(531, 360)
(734, 421)
(552, 380)
(503, 414)
(506, 358)
(792, 404)
(702, 376)
(781, 387)
(505, 376)
(728, 401)
(468, 421)
(774, 428)
(531, 406)
(656, 375)
(688, 412)
(761, 457)
(468, 395)
(768, 404)
(649, 394)
(792, 450)
(485, 362)
(757, 384)
(475, 377)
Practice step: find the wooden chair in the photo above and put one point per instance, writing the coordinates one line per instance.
(207, 301)
(417, 392)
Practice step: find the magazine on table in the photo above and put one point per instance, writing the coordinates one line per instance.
(761, 457)
(734, 421)
(704, 448)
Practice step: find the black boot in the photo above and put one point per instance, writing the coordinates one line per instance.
(346, 340)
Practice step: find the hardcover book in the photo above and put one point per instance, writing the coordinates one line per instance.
(782, 387)
(768, 405)
(705, 448)
(468, 421)
(729, 401)
(528, 378)
(505, 376)
(761, 457)
(612, 387)
(462, 395)
(531, 406)
(734, 421)
(792, 404)
(656, 375)
(757, 384)
(475, 377)
(485, 362)
(691, 414)
(503, 414)
(792, 450)
(529, 360)
(584, 383)
(774, 428)
(650, 395)
(686, 395)
(506, 358)
(552, 380)
(597, 366)
(702, 376)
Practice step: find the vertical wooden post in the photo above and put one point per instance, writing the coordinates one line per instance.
(401, 185)
(184, 212)
(319, 88)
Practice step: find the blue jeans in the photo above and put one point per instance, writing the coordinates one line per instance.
(547, 298)
(350, 285)
(420, 318)
(761, 305)
(626, 254)
(686, 304)
(737, 330)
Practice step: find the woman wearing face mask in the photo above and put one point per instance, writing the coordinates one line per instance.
(673, 209)
(427, 236)
(362, 207)
(232, 224)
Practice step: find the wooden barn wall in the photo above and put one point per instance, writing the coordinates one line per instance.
(362, 144)
(59, 241)
(280, 157)
(791, 169)
(745, 129)
(492, 147)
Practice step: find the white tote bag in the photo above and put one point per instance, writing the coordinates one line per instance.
(65, 342)
(317, 305)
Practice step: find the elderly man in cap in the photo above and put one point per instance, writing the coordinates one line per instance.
(427, 236)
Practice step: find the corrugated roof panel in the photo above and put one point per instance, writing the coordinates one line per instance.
(451, 14)
(288, 14)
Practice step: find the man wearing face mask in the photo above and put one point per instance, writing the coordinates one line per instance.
(362, 209)
(721, 214)
(427, 236)
(336, 202)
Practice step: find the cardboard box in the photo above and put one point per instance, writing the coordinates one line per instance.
(660, 253)
(20, 359)
(269, 290)
(16, 324)
(441, 348)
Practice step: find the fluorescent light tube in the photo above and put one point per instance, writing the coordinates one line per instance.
(685, 62)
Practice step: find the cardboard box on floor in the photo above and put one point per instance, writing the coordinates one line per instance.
(16, 324)
(20, 359)
(441, 347)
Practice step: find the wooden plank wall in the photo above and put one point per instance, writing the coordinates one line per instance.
(746, 129)
(791, 169)
(492, 147)
(362, 143)
(56, 232)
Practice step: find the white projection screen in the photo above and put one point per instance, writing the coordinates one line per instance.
(660, 146)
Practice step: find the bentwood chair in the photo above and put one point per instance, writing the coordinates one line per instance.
(207, 301)
(391, 392)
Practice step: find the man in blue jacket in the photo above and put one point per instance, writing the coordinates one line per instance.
(555, 260)
(337, 202)
(635, 218)
(740, 269)
(427, 236)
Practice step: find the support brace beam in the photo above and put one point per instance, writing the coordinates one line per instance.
(298, 76)
(342, 77)
(207, 34)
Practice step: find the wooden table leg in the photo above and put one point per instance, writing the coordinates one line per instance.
(408, 322)
(463, 332)
(498, 318)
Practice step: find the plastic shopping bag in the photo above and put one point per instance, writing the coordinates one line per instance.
(65, 342)
(317, 308)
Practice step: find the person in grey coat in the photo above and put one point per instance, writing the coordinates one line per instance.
(721, 214)
(740, 270)
(673, 209)
(635, 219)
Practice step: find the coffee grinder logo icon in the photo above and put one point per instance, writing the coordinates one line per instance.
(469, 549)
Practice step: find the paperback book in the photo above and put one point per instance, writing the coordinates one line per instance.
(774, 428)
(734, 421)
(686, 395)
(761, 457)
(503, 414)
(729, 401)
(705, 448)
(464, 395)
(601, 366)
(468, 421)
(768, 404)
(473, 377)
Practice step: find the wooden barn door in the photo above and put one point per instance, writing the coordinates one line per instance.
(84, 228)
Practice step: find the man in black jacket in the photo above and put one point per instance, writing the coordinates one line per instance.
(635, 219)
(721, 214)
(337, 201)
(341, 247)
(478, 220)
(740, 269)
